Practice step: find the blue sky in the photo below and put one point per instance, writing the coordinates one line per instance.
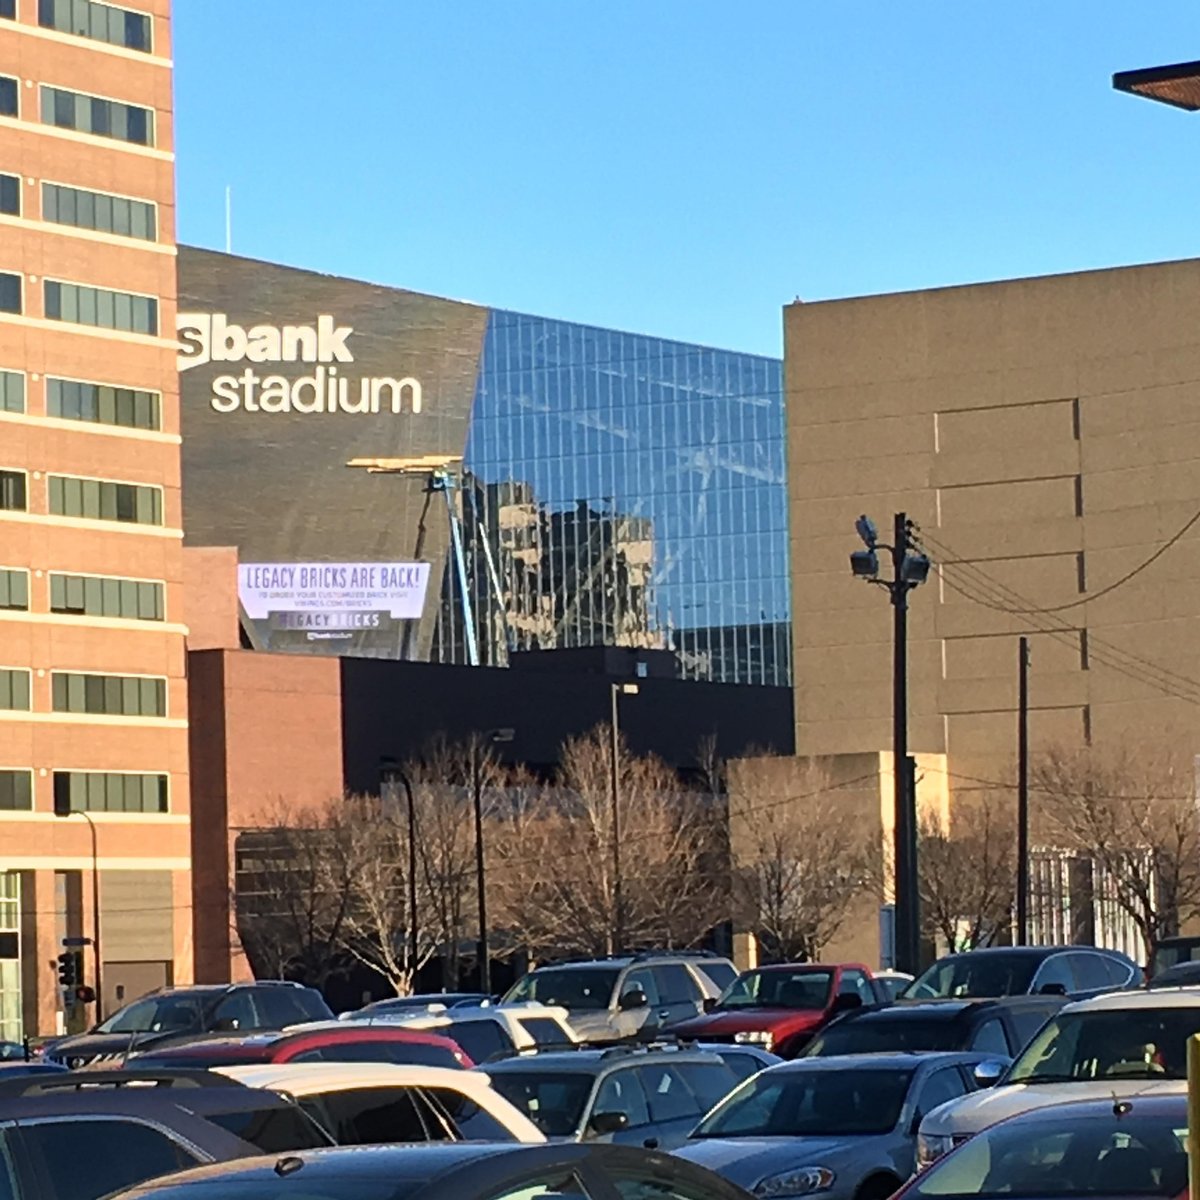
(683, 167)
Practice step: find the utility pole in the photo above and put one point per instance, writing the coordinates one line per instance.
(1023, 793)
(617, 690)
(484, 953)
(909, 569)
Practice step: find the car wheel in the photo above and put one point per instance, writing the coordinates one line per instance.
(878, 1187)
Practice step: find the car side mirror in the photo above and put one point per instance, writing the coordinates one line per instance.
(989, 1072)
(709, 1004)
(1052, 989)
(608, 1122)
(847, 1001)
(633, 999)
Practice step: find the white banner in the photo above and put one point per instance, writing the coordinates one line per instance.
(332, 595)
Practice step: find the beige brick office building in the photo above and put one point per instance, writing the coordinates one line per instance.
(1045, 435)
(92, 688)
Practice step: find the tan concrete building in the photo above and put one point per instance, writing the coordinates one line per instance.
(93, 701)
(1045, 436)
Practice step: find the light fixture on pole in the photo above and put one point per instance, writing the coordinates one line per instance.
(909, 570)
(62, 808)
(617, 690)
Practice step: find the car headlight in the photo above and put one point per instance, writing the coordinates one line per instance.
(800, 1182)
(931, 1147)
(755, 1037)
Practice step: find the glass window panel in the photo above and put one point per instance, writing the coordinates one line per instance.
(10, 195)
(10, 292)
(12, 491)
(8, 96)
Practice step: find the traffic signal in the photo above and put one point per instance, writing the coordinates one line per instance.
(68, 968)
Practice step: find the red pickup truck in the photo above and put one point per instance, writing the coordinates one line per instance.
(781, 1008)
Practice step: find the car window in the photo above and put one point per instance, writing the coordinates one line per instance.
(710, 1082)
(480, 1039)
(856, 983)
(719, 974)
(1119, 973)
(545, 1031)
(743, 1066)
(553, 1100)
(939, 1087)
(669, 1097)
(83, 1158)
(622, 1092)
(641, 979)
(473, 1123)
(8, 1188)
(648, 1186)
(419, 1053)
(989, 1038)
(1028, 1019)
(1056, 973)
(675, 984)
(1091, 972)
(544, 1187)
(364, 1116)
(272, 1130)
(279, 1007)
(235, 1011)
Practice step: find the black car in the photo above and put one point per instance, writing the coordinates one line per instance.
(408, 1006)
(1184, 974)
(1076, 971)
(995, 1027)
(451, 1171)
(82, 1135)
(176, 1014)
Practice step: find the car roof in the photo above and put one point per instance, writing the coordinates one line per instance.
(912, 1010)
(305, 1078)
(1152, 1106)
(887, 1060)
(802, 968)
(138, 1101)
(1157, 998)
(593, 1061)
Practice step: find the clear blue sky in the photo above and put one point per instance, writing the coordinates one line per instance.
(683, 167)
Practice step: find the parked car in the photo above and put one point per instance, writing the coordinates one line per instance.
(451, 1172)
(486, 1034)
(174, 1014)
(611, 999)
(893, 982)
(743, 1060)
(996, 1027)
(82, 1135)
(781, 1007)
(333, 1041)
(846, 1128)
(1025, 970)
(411, 1005)
(650, 1096)
(1170, 951)
(1182, 974)
(1119, 1046)
(1112, 1148)
(361, 1103)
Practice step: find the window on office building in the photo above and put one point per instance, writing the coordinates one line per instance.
(95, 115)
(10, 292)
(14, 589)
(100, 211)
(109, 695)
(12, 491)
(105, 500)
(9, 91)
(75, 400)
(16, 789)
(14, 688)
(110, 791)
(12, 391)
(10, 195)
(102, 22)
(82, 305)
(103, 596)
(8, 8)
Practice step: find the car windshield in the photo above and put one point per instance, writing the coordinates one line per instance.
(811, 1103)
(1103, 1155)
(272, 1130)
(553, 1100)
(154, 1015)
(778, 989)
(977, 974)
(884, 1032)
(1130, 1043)
(573, 988)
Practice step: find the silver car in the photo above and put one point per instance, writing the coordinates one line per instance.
(844, 1128)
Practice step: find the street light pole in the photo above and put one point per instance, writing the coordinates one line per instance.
(62, 808)
(1023, 793)
(484, 953)
(616, 690)
(909, 570)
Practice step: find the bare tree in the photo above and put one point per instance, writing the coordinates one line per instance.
(802, 854)
(1134, 813)
(968, 871)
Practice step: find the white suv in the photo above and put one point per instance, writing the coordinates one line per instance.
(1118, 1045)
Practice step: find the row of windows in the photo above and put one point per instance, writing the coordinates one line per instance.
(109, 695)
(88, 595)
(84, 209)
(92, 499)
(89, 791)
(84, 305)
(91, 19)
(97, 116)
(94, 695)
(77, 400)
